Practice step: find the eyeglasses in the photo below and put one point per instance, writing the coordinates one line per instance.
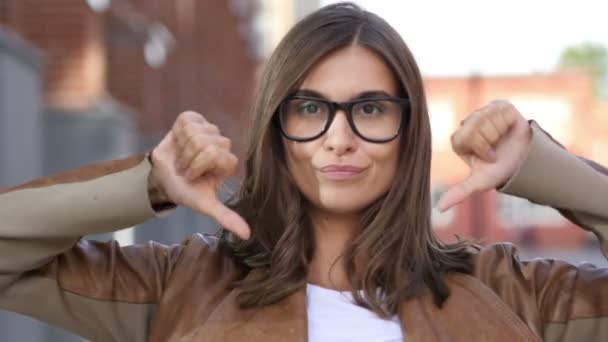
(378, 119)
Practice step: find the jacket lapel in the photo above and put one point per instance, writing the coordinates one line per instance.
(472, 313)
(279, 322)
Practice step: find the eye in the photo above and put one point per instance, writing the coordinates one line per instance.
(371, 108)
(309, 107)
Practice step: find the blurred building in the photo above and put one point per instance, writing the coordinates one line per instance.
(89, 80)
(563, 103)
(276, 17)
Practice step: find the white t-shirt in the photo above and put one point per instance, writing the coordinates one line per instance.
(333, 317)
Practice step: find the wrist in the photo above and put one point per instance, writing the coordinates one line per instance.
(159, 200)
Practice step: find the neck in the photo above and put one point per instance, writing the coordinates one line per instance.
(332, 234)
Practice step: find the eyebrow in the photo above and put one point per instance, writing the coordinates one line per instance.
(362, 95)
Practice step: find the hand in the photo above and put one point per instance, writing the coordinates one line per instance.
(190, 164)
(493, 141)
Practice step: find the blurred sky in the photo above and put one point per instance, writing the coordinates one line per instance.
(492, 37)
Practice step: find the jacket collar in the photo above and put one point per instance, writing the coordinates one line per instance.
(472, 313)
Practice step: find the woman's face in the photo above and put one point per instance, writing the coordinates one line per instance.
(340, 172)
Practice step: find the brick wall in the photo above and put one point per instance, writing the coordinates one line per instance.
(70, 36)
(211, 69)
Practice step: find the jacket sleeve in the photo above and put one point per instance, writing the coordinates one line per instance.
(100, 291)
(570, 303)
(577, 187)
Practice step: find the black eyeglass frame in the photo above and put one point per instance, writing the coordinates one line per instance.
(347, 108)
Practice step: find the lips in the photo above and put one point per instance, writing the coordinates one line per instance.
(340, 168)
(340, 172)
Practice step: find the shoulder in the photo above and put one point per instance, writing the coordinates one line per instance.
(202, 246)
(504, 258)
(202, 241)
(204, 253)
(501, 261)
(518, 281)
(494, 255)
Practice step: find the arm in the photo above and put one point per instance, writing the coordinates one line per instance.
(98, 290)
(562, 301)
(575, 186)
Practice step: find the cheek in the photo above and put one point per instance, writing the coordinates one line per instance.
(385, 161)
(299, 163)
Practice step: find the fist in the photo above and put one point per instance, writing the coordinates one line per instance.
(191, 163)
(493, 142)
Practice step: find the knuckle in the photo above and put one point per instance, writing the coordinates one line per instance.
(482, 122)
(233, 160)
(183, 117)
(503, 120)
(180, 118)
(476, 127)
(226, 143)
(186, 118)
(456, 138)
(498, 102)
(496, 118)
(504, 105)
(211, 151)
(470, 141)
(199, 162)
(453, 138)
(190, 114)
(488, 128)
(183, 147)
(480, 141)
(227, 164)
(476, 115)
(476, 119)
(185, 133)
(200, 142)
(187, 160)
(212, 128)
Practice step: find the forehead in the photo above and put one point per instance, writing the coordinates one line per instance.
(349, 71)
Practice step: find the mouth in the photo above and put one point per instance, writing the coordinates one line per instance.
(341, 172)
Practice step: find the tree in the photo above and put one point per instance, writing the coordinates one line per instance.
(590, 56)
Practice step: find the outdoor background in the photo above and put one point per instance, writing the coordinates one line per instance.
(89, 80)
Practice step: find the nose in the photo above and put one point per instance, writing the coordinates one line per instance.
(340, 138)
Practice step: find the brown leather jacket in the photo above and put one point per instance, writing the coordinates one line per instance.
(153, 292)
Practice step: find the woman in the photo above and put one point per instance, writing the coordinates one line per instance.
(335, 203)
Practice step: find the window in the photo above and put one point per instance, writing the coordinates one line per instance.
(442, 124)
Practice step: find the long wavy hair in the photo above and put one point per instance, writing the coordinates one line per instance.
(395, 248)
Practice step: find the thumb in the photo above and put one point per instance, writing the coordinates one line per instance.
(456, 194)
(229, 219)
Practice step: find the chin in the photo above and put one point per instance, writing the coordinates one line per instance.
(341, 209)
(351, 203)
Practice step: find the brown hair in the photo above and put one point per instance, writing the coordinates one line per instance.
(395, 231)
